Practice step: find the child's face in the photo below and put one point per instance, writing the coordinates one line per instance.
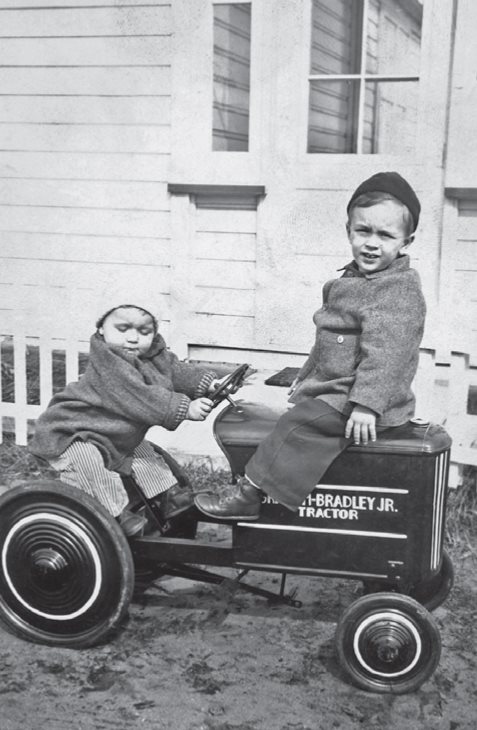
(130, 329)
(377, 235)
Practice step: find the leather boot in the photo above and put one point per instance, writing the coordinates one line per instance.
(176, 500)
(240, 502)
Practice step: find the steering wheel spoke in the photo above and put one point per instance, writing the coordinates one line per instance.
(230, 385)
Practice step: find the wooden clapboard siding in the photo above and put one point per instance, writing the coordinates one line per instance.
(85, 147)
(114, 81)
(86, 52)
(53, 247)
(224, 277)
(233, 275)
(119, 165)
(85, 138)
(78, 273)
(148, 19)
(230, 246)
(83, 221)
(7, 5)
(211, 220)
(74, 110)
(64, 299)
(118, 194)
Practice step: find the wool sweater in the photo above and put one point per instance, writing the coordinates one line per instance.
(366, 350)
(119, 397)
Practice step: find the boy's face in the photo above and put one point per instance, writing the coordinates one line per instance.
(129, 329)
(377, 235)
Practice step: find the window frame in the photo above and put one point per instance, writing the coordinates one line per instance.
(362, 78)
(280, 70)
(432, 112)
(192, 155)
(215, 104)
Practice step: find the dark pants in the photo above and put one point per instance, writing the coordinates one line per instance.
(292, 459)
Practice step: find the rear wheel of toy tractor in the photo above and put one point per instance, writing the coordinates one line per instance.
(433, 592)
(67, 572)
(388, 643)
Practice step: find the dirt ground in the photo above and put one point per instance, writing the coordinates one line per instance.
(200, 657)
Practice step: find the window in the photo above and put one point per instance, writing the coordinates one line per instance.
(364, 76)
(232, 31)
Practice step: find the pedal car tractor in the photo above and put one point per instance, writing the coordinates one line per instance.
(69, 573)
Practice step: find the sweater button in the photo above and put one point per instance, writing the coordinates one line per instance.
(340, 339)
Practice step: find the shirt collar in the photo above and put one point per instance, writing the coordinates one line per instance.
(401, 263)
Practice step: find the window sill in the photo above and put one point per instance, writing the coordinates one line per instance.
(241, 197)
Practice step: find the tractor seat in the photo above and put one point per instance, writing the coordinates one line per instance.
(247, 424)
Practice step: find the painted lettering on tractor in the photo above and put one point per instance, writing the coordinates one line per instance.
(343, 506)
(331, 506)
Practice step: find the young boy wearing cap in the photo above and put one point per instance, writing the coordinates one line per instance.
(93, 431)
(357, 379)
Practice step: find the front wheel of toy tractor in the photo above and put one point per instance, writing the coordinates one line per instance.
(67, 573)
(388, 643)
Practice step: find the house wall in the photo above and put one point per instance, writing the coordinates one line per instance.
(459, 239)
(105, 102)
(461, 164)
(300, 239)
(85, 113)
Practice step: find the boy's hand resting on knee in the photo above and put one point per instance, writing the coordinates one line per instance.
(293, 386)
(199, 409)
(361, 425)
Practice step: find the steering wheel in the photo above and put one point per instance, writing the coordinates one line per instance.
(231, 383)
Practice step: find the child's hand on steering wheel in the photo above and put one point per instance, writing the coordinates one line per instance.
(234, 387)
(199, 409)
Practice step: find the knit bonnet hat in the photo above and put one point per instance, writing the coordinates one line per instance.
(394, 184)
(113, 297)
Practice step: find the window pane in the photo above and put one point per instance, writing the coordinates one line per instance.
(231, 76)
(331, 125)
(336, 36)
(394, 37)
(390, 117)
(386, 122)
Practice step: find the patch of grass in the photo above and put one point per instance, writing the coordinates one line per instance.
(203, 476)
(18, 465)
(461, 522)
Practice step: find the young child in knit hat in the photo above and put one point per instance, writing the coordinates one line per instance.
(357, 379)
(94, 430)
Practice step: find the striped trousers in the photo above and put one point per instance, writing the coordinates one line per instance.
(81, 465)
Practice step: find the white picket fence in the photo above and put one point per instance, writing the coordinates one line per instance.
(441, 389)
(442, 392)
(17, 413)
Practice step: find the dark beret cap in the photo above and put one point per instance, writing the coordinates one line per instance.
(394, 184)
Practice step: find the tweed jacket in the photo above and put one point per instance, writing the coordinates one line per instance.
(366, 350)
(119, 397)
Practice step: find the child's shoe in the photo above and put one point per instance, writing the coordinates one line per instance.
(241, 502)
(131, 523)
(175, 500)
